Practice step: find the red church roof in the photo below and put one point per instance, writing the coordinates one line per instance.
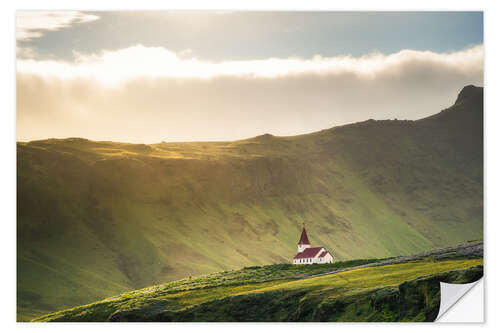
(303, 238)
(310, 252)
(322, 254)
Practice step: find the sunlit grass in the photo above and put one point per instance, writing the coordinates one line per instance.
(97, 218)
(187, 293)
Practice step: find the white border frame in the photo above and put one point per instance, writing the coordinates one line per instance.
(8, 174)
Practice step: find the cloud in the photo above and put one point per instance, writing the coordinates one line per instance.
(26, 52)
(142, 94)
(155, 62)
(33, 24)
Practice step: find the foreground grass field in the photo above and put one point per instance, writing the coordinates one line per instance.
(378, 290)
(96, 219)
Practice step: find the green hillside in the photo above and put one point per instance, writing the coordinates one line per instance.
(395, 289)
(95, 219)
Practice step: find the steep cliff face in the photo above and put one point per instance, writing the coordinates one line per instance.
(98, 218)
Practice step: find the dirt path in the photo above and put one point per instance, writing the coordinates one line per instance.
(470, 249)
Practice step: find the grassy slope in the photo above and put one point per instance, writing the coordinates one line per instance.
(390, 290)
(99, 218)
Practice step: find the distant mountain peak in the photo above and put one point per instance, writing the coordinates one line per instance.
(266, 136)
(469, 92)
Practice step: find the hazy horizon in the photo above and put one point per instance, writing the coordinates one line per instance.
(177, 76)
(194, 141)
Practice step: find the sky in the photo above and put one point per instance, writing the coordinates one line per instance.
(152, 76)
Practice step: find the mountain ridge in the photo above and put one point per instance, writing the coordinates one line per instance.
(466, 94)
(96, 218)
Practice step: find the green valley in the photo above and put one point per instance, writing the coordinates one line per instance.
(97, 219)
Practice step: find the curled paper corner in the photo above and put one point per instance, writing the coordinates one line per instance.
(454, 307)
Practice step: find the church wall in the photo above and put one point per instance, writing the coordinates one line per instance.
(327, 259)
(302, 247)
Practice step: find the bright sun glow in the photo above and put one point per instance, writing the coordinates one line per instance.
(140, 61)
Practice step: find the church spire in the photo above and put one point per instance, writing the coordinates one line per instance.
(303, 238)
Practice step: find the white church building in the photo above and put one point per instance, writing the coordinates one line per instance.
(308, 255)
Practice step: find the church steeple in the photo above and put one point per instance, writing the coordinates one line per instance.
(303, 241)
